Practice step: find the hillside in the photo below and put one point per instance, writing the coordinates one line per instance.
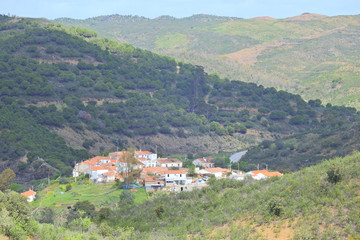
(310, 54)
(319, 202)
(65, 93)
(302, 205)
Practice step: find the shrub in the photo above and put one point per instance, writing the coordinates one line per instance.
(159, 211)
(68, 187)
(127, 197)
(64, 180)
(334, 174)
(275, 206)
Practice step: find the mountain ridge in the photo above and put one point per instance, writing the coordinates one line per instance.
(293, 50)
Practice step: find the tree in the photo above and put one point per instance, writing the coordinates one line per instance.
(130, 162)
(83, 222)
(334, 174)
(127, 197)
(46, 215)
(86, 207)
(6, 177)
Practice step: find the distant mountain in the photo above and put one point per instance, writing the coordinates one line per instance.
(310, 54)
(65, 93)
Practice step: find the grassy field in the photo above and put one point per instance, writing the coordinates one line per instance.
(98, 194)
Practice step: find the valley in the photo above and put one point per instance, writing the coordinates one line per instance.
(80, 100)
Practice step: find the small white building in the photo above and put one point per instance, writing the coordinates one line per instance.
(204, 162)
(169, 162)
(96, 172)
(30, 195)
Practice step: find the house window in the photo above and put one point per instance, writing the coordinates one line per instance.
(168, 175)
(180, 175)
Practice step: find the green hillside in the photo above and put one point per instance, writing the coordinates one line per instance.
(65, 93)
(310, 55)
(319, 202)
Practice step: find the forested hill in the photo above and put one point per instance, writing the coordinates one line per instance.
(65, 93)
(309, 54)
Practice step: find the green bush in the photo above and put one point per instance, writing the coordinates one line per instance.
(334, 174)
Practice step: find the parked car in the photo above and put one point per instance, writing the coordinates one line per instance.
(205, 178)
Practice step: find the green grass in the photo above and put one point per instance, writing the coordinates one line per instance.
(98, 194)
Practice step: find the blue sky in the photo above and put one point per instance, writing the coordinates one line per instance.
(81, 9)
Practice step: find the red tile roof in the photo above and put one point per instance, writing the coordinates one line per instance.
(109, 174)
(28, 193)
(96, 168)
(175, 171)
(217, 169)
(118, 176)
(158, 170)
(143, 152)
(267, 174)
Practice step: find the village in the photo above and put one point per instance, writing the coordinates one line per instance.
(133, 169)
(159, 174)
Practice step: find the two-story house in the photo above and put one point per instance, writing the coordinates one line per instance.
(175, 177)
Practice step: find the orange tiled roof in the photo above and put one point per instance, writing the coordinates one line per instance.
(154, 170)
(142, 152)
(109, 174)
(217, 169)
(175, 171)
(206, 160)
(149, 178)
(267, 174)
(118, 176)
(28, 193)
(96, 168)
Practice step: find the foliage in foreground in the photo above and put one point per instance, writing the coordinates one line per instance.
(308, 201)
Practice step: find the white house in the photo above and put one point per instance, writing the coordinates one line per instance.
(204, 162)
(96, 172)
(175, 177)
(108, 176)
(30, 195)
(169, 162)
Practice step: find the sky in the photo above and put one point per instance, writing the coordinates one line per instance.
(81, 9)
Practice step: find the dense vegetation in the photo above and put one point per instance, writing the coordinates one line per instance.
(311, 55)
(54, 78)
(319, 202)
